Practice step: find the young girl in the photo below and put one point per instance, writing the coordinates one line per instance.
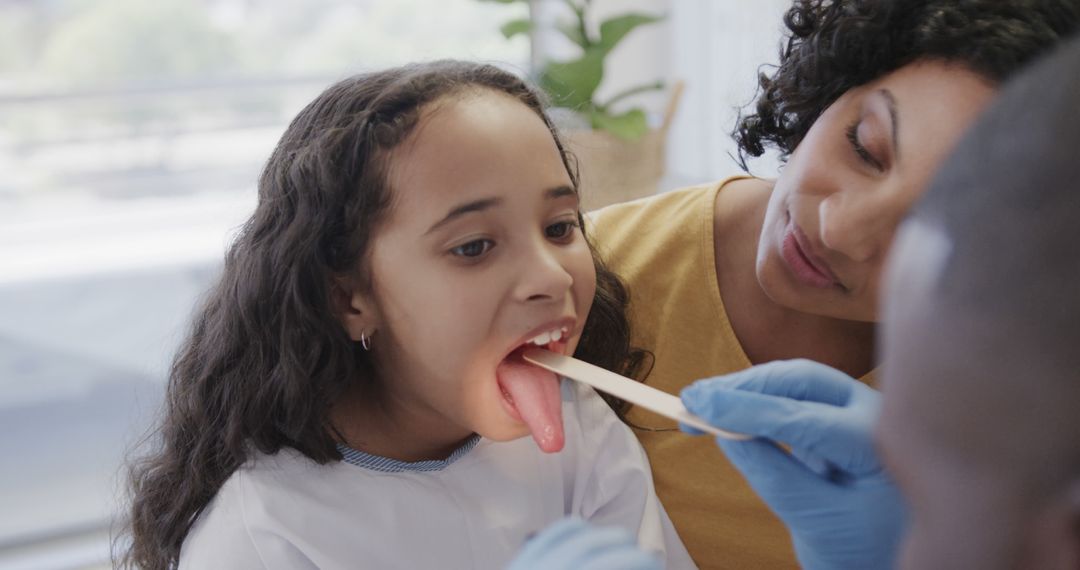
(352, 393)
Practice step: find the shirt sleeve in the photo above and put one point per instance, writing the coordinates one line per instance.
(614, 481)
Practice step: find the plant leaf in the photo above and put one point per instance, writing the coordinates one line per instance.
(573, 33)
(630, 125)
(515, 27)
(571, 84)
(614, 30)
(503, 1)
(656, 86)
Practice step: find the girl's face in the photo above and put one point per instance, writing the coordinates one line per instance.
(844, 190)
(479, 254)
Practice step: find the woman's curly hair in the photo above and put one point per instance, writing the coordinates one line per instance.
(835, 45)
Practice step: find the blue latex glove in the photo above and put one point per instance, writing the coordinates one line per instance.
(572, 544)
(831, 491)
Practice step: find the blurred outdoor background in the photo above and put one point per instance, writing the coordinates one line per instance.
(131, 136)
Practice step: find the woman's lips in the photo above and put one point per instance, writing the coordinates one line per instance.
(806, 268)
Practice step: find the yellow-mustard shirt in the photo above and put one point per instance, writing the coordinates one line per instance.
(663, 249)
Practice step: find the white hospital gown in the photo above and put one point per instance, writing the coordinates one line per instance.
(471, 511)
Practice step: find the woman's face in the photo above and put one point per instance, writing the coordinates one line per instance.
(479, 254)
(844, 190)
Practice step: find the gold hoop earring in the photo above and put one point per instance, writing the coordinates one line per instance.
(365, 341)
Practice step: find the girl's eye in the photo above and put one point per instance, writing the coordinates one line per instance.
(473, 249)
(561, 230)
(860, 150)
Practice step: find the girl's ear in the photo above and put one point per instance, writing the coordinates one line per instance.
(356, 308)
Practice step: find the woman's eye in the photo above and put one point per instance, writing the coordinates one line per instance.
(474, 248)
(560, 230)
(860, 150)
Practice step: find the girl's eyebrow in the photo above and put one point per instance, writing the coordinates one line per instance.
(466, 208)
(559, 192)
(485, 203)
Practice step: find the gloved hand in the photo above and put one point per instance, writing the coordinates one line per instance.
(831, 491)
(573, 544)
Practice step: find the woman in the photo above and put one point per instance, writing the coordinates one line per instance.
(868, 99)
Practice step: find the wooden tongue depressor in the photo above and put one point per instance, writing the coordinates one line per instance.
(624, 388)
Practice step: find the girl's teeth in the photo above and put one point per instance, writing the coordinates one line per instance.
(556, 335)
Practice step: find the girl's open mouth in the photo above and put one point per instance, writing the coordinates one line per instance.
(532, 394)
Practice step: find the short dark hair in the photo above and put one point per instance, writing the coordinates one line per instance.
(1009, 201)
(833, 46)
(1008, 293)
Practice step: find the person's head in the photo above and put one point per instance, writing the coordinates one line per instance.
(868, 98)
(981, 341)
(480, 249)
(414, 227)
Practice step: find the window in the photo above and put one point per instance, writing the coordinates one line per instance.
(131, 137)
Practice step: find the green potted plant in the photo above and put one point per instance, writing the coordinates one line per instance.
(619, 156)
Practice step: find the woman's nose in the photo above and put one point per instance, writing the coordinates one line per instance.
(858, 226)
(543, 276)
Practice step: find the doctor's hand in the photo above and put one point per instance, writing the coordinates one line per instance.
(573, 544)
(831, 491)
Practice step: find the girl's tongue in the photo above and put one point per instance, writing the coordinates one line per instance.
(534, 392)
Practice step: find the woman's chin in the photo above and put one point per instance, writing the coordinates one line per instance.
(773, 284)
(788, 294)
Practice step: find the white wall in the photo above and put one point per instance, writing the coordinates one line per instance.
(717, 46)
(643, 57)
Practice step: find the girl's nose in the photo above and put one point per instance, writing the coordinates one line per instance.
(858, 226)
(543, 276)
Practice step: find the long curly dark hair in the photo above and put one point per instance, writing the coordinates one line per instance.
(835, 45)
(267, 354)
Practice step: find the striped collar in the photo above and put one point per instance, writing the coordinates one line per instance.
(387, 465)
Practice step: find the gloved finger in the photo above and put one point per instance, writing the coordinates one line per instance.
(588, 543)
(796, 379)
(838, 435)
(554, 534)
(755, 414)
(771, 472)
(628, 558)
(814, 462)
